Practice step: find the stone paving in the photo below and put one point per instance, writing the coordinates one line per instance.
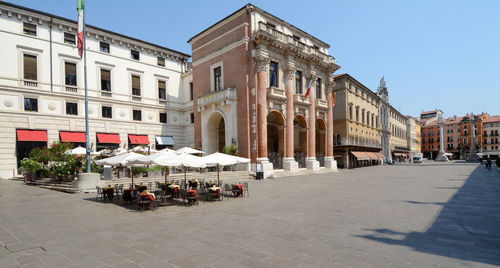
(428, 215)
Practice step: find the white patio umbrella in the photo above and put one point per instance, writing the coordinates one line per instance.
(77, 151)
(143, 149)
(189, 150)
(126, 159)
(220, 159)
(119, 151)
(166, 150)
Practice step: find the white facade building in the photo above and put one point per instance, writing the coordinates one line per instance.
(139, 93)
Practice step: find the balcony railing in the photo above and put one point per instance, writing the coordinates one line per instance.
(321, 103)
(71, 89)
(30, 83)
(276, 93)
(217, 97)
(298, 98)
(106, 94)
(136, 98)
(360, 142)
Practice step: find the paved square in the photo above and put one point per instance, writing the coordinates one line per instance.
(429, 215)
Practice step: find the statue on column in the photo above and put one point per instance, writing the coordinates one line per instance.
(472, 157)
(441, 157)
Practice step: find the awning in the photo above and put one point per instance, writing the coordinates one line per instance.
(108, 138)
(361, 155)
(138, 139)
(380, 155)
(31, 135)
(67, 136)
(372, 155)
(165, 140)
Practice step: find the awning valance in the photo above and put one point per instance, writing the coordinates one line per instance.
(67, 136)
(165, 140)
(31, 135)
(361, 155)
(108, 138)
(138, 139)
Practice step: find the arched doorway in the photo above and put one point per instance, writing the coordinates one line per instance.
(300, 140)
(216, 133)
(275, 138)
(320, 141)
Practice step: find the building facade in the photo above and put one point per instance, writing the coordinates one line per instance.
(138, 92)
(430, 133)
(251, 72)
(491, 130)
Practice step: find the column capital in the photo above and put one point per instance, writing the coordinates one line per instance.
(262, 63)
(289, 73)
(330, 84)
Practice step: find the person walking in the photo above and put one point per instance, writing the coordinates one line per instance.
(488, 163)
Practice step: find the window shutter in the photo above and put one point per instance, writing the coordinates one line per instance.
(30, 71)
(105, 75)
(70, 68)
(136, 82)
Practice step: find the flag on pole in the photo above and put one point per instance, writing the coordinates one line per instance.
(309, 86)
(79, 43)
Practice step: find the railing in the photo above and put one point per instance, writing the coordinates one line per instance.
(360, 142)
(105, 93)
(321, 103)
(136, 98)
(217, 96)
(30, 83)
(71, 89)
(276, 92)
(298, 98)
(162, 101)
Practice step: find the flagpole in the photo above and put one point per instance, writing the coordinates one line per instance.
(87, 135)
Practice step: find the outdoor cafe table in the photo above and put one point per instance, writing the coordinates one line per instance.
(214, 189)
(147, 196)
(193, 193)
(238, 189)
(108, 192)
(127, 194)
(141, 188)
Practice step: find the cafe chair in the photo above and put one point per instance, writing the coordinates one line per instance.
(227, 188)
(245, 188)
(100, 193)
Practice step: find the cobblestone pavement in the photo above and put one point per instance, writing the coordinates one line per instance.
(428, 215)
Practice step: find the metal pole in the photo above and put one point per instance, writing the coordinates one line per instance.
(87, 138)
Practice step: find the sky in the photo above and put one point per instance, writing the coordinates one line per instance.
(433, 53)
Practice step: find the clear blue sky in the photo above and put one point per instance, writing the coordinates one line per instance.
(434, 54)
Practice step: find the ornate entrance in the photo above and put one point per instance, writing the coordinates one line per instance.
(275, 139)
(320, 141)
(216, 133)
(300, 140)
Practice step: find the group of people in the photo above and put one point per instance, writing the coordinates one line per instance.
(488, 163)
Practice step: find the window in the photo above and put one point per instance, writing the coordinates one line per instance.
(295, 37)
(163, 118)
(104, 47)
(217, 78)
(363, 116)
(191, 92)
(357, 115)
(161, 61)
(192, 118)
(376, 121)
(70, 73)
(270, 24)
(273, 74)
(350, 112)
(162, 92)
(30, 70)
(137, 115)
(29, 29)
(298, 82)
(71, 108)
(69, 39)
(318, 89)
(106, 112)
(373, 121)
(134, 54)
(31, 104)
(136, 85)
(105, 80)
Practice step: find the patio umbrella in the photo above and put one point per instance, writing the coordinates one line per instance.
(143, 149)
(119, 151)
(77, 151)
(166, 157)
(189, 150)
(220, 159)
(126, 159)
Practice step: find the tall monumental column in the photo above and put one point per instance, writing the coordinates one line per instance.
(441, 157)
(289, 163)
(311, 162)
(330, 98)
(472, 157)
(262, 62)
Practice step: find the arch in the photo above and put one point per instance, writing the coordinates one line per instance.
(300, 139)
(320, 136)
(275, 138)
(216, 132)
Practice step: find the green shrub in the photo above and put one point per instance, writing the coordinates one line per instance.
(230, 149)
(155, 168)
(140, 170)
(94, 168)
(498, 162)
(31, 166)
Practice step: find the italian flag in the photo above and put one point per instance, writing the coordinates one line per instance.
(79, 42)
(309, 86)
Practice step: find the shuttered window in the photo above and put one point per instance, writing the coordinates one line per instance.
(70, 73)
(161, 61)
(136, 85)
(105, 80)
(162, 92)
(69, 39)
(30, 70)
(29, 29)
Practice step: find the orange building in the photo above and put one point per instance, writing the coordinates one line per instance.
(430, 133)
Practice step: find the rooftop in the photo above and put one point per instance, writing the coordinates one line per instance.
(431, 112)
(494, 118)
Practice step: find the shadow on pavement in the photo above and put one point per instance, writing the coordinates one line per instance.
(467, 228)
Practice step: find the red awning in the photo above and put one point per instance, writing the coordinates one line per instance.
(67, 136)
(361, 155)
(138, 139)
(31, 135)
(108, 138)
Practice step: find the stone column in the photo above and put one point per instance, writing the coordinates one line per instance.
(262, 62)
(441, 155)
(289, 163)
(311, 162)
(330, 98)
(472, 157)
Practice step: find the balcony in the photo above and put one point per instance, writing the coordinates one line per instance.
(276, 93)
(216, 97)
(322, 104)
(300, 99)
(106, 94)
(136, 98)
(359, 142)
(71, 89)
(30, 83)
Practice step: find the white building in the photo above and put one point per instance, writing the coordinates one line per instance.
(491, 136)
(139, 93)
